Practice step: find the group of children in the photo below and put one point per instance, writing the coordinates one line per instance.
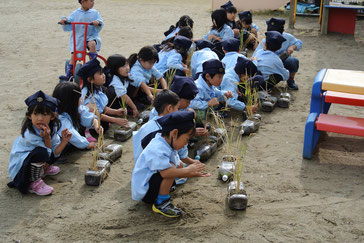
(180, 77)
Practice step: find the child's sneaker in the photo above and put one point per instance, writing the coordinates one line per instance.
(51, 170)
(40, 188)
(166, 208)
(89, 137)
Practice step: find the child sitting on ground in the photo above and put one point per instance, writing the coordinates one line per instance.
(231, 50)
(248, 30)
(94, 97)
(208, 94)
(142, 70)
(268, 62)
(231, 14)
(174, 56)
(36, 149)
(204, 51)
(158, 165)
(117, 89)
(184, 21)
(244, 69)
(83, 14)
(165, 102)
(74, 116)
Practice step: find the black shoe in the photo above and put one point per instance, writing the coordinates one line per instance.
(291, 84)
(167, 209)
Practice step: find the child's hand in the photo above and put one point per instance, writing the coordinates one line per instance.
(120, 112)
(194, 170)
(96, 23)
(290, 50)
(66, 135)
(91, 145)
(135, 112)
(45, 131)
(229, 94)
(63, 21)
(151, 98)
(200, 131)
(98, 128)
(213, 102)
(122, 122)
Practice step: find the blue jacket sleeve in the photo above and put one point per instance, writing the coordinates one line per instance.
(175, 61)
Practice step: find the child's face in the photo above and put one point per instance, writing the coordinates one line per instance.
(181, 141)
(147, 64)
(183, 103)
(216, 80)
(245, 25)
(124, 70)
(231, 16)
(99, 78)
(40, 120)
(87, 4)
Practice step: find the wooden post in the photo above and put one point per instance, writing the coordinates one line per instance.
(325, 17)
(292, 6)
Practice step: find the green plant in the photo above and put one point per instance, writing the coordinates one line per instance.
(240, 153)
(170, 76)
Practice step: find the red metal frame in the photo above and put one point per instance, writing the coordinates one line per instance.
(83, 52)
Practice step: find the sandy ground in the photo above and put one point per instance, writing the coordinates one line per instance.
(290, 199)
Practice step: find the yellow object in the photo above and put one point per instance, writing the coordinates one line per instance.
(295, 11)
(348, 81)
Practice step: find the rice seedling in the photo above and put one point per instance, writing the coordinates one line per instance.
(188, 62)
(240, 153)
(170, 76)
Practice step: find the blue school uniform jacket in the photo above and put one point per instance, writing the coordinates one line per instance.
(92, 31)
(151, 126)
(230, 59)
(87, 117)
(172, 34)
(230, 82)
(169, 60)
(77, 139)
(269, 63)
(199, 57)
(139, 74)
(98, 96)
(22, 146)
(157, 156)
(290, 40)
(119, 87)
(205, 93)
(225, 33)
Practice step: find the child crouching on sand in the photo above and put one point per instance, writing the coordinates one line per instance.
(158, 165)
(34, 152)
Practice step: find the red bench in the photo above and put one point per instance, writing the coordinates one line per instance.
(340, 124)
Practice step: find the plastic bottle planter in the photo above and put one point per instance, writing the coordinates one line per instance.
(284, 100)
(205, 151)
(250, 125)
(95, 178)
(112, 153)
(143, 117)
(227, 167)
(237, 198)
(124, 133)
(268, 101)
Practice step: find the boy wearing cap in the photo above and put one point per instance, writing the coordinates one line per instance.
(158, 165)
(249, 30)
(244, 68)
(204, 51)
(173, 56)
(208, 94)
(231, 49)
(268, 62)
(85, 13)
(290, 45)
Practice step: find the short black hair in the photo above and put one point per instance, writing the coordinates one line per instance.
(211, 75)
(185, 20)
(220, 17)
(147, 53)
(186, 32)
(231, 10)
(164, 98)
